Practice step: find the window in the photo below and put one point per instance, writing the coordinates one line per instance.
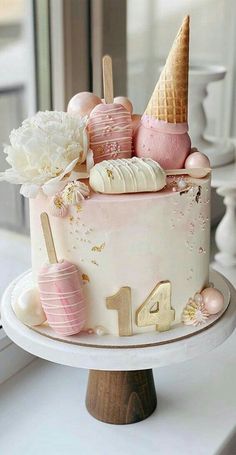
(17, 98)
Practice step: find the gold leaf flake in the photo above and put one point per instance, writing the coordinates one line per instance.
(85, 278)
(110, 174)
(198, 195)
(98, 248)
(94, 262)
(79, 207)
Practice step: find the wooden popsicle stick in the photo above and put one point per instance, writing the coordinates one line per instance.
(47, 232)
(107, 79)
(191, 172)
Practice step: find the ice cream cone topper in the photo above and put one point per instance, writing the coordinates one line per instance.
(169, 101)
(163, 131)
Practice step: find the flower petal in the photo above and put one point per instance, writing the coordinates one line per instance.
(29, 190)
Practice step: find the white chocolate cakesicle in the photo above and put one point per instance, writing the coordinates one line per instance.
(133, 175)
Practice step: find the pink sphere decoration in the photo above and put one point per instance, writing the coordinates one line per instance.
(198, 160)
(82, 103)
(213, 300)
(124, 101)
(170, 150)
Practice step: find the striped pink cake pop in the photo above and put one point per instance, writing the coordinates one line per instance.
(110, 132)
(61, 290)
(110, 124)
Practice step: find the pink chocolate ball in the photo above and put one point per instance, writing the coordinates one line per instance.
(82, 103)
(213, 300)
(197, 160)
(124, 101)
(169, 150)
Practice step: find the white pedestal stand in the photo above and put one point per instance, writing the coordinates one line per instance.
(220, 151)
(224, 179)
(121, 388)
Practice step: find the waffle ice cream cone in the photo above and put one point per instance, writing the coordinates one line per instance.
(169, 101)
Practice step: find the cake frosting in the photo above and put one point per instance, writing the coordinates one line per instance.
(134, 240)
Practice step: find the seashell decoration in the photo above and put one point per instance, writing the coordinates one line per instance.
(195, 313)
(74, 192)
(57, 207)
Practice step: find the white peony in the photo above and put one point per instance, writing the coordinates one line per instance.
(44, 152)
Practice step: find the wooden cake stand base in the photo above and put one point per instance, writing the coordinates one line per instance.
(121, 388)
(121, 397)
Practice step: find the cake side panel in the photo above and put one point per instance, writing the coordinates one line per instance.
(135, 241)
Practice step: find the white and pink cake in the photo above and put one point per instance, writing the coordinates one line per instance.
(134, 240)
(137, 229)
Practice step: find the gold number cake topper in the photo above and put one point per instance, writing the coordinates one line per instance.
(121, 301)
(156, 309)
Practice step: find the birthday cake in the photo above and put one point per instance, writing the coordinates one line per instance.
(120, 207)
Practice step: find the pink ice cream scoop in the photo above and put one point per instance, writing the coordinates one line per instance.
(61, 290)
(110, 132)
(167, 143)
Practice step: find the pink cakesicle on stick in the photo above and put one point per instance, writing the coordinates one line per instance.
(110, 124)
(61, 290)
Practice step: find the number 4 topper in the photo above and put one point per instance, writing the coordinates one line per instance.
(156, 309)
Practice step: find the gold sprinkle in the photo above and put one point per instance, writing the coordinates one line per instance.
(79, 207)
(71, 218)
(110, 174)
(98, 248)
(85, 277)
(58, 202)
(94, 262)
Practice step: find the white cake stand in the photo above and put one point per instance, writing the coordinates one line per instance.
(121, 388)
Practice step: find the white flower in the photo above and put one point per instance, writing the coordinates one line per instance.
(44, 151)
(75, 192)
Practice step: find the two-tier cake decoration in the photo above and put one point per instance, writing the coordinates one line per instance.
(119, 212)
